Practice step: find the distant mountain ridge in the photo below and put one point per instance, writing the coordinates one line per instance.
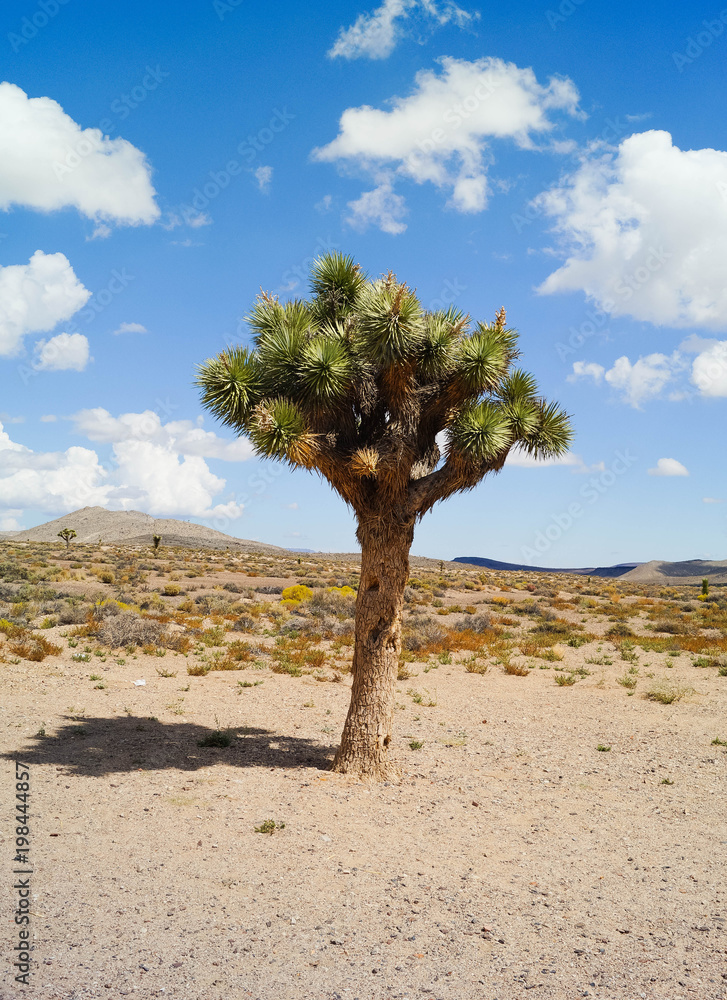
(607, 571)
(687, 572)
(132, 527)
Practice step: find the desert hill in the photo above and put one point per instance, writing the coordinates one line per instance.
(605, 571)
(678, 573)
(132, 527)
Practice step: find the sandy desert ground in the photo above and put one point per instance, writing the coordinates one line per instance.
(558, 832)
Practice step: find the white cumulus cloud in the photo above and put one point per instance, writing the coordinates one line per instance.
(155, 467)
(656, 375)
(709, 370)
(64, 352)
(48, 161)
(35, 297)
(129, 328)
(441, 133)
(668, 467)
(645, 231)
(381, 206)
(635, 382)
(264, 177)
(181, 436)
(375, 34)
(520, 459)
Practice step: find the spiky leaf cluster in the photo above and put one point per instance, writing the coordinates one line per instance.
(363, 385)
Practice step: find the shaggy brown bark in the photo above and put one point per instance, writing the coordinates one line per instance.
(384, 572)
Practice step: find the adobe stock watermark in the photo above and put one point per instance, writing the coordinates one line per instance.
(121, 106)
(224, 7)
(31, 24)
(448, 295)
(590, 493)
(192, 212)
(535, 209)
(455, 116)
(566, 9)
(696, 44)
(624, 288)
(299, 272)
(710, 370)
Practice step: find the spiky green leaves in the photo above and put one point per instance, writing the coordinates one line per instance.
(480, 433)
(230, 385)
(552, 434)
(483, 360)
(279, 430)
(390, 324)
(358, 381)
(437, 350)
(326, 371)
(336, 281)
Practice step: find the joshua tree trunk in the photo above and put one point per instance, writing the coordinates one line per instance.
(384, 572)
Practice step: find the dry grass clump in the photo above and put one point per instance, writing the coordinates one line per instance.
(667, 693)
(515, 669)
(420, 633)
(620, 631)
(129, 629)
(33, 647)
(673, 626)
(479, 623)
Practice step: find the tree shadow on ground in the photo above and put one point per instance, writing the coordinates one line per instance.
(98, 746)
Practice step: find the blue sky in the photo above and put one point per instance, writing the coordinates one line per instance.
(160, 163)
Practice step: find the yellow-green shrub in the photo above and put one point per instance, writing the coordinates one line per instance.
(298, 592)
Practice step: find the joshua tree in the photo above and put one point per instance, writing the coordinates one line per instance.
(67, 534)
(156, 539)
(397, 408)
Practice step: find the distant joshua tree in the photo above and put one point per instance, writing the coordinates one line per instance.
(364, 386)
(67, 534)
(156, 539)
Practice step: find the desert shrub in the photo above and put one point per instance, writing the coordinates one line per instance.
(620, 631)
(269, 589)
(546, 613)
(12, 629)
(129, 629)
(555, 626)
(672, 625)
(171, 590)
(298, 592)
(233, 588)
(667, 694)
(420, 633)
(475, 623)
(104, 609)
(244, 623)
(106, 577)
(528, 607)
(213, 604)
(475, 666)
(34, 647)
(177, 641)
(331, 602)
(11, 573)
(214, 636)
(515, 670)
